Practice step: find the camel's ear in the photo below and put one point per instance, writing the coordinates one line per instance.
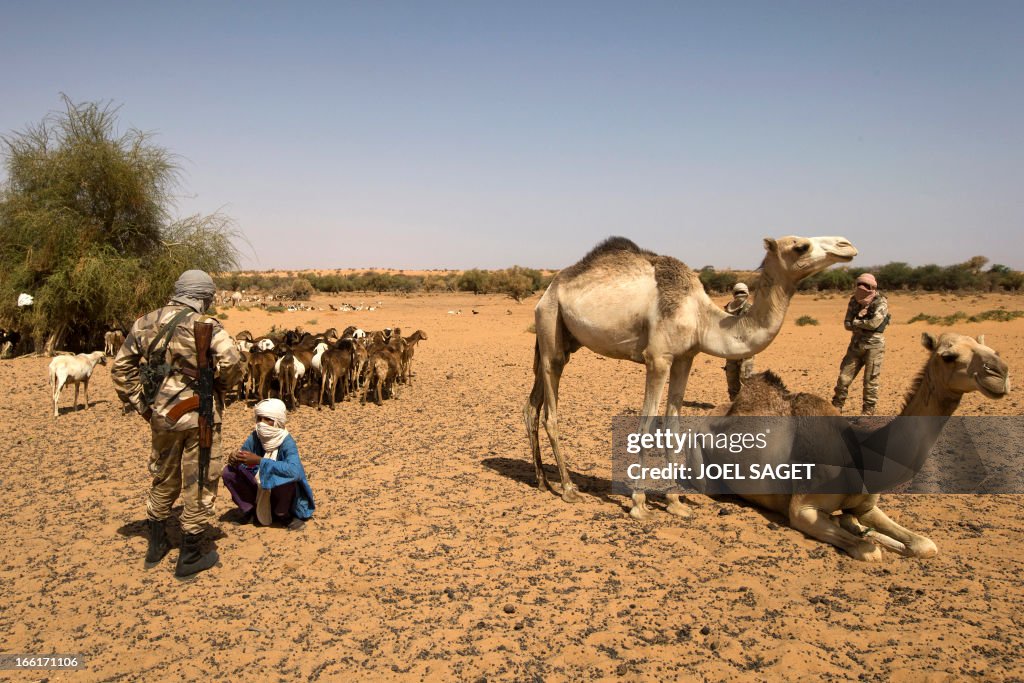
(981, 339)
(770, 244)
(929, 341)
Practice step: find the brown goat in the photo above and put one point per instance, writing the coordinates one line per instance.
(410, 349)
(335, 365)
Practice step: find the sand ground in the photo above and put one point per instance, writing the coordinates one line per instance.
(433, 556)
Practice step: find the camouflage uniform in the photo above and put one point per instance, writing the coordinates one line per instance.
(866, 350)
(737, 371)
(174, 461)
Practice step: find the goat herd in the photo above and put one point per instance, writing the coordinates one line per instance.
(333, 367)
(286, 364)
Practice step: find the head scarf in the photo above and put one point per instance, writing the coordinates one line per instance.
(863, 296)
(194, 289)
(271, 436)
(740, 292)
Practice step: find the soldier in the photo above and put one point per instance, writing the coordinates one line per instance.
(736, 371)
(164, 338)
(867, 316)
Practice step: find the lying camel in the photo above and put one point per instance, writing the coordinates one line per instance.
(957, 365)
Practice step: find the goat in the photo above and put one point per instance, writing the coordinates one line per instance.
(410, 348)
(8, 342)
(360, 358)
(112, 341)
(289, 371)
(377, 374)
(335, 366)
(261, 369)
(76, 370)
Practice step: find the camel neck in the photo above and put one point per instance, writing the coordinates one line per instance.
(738, 337)
(927, 400)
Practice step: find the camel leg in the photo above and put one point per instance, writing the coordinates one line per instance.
(86, 394)
(818, 523)
(531, 415)
(657, 372)
(678, 376)
(76, 396)
(915, 544)
(551, 374)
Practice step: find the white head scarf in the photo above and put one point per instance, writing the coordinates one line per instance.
(271, 436)
(740, 292)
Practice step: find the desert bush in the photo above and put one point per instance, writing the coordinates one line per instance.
(85, 226)
(806, 320)
(996, 315)
(716, 282)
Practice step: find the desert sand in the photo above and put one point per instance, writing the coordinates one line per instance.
(433, 556)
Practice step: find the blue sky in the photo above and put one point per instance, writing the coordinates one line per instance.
(486, 134)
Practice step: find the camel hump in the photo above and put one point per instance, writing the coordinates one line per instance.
(611, 248)
(620, 255)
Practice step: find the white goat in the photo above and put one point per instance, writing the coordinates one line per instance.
(76, 370)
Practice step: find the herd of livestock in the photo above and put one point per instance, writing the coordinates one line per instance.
(288, 364)
(332, 367)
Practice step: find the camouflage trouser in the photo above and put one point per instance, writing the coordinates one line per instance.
(857, 357)
(736, 371)
(174, 464)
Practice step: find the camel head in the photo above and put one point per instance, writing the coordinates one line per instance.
(795, 258)
(964, 364)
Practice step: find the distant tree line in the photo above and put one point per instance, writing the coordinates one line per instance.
(970, 275)
(518, 282)
(515, 282)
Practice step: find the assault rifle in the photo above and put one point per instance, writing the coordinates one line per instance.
(203, 332)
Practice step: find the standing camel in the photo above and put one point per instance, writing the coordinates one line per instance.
(957, 365)
(628, 303)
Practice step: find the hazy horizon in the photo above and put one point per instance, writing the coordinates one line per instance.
(465, 135)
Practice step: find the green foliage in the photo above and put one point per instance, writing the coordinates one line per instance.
(833, 279)
(995, 315)
(517, 282)
(998, 315)
(717, 282)
(806, 320)
(944, 320)
(300, 288)
(85, 226)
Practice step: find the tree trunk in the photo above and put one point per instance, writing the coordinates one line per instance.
(55, 340)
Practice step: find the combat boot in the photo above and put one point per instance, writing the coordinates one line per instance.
(868, 410)
(191, 560)
(158, 545)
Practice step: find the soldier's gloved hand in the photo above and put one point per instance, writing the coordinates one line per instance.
(147, 415)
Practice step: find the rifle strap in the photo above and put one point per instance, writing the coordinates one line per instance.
(163, 337)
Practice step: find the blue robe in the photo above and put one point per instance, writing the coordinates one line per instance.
(287, 468)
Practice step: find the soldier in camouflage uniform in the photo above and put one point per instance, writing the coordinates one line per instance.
(737, 371)
(867, 316)
(174, 461)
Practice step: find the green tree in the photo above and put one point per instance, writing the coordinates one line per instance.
(85, 226)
